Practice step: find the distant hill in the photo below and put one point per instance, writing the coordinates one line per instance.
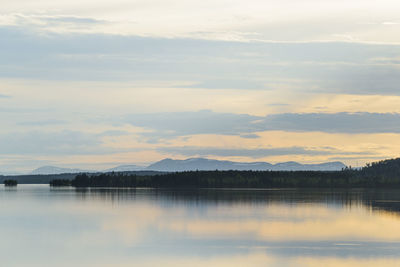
(201, 164)
(125, 168)
(46, 170)
(377, 174)
(294, 166)
(51, 170)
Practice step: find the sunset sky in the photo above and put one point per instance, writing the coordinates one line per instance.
(95, 84)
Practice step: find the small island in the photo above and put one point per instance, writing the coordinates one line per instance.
(10, 183)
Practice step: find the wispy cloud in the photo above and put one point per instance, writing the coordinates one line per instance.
(302, 21)
(306, 67)
(4, 96)
(48, 22)
(253, 153)
(188, 123)
(41, 123)
(171, 125)
(50, 143)
(335, 123)
(390, 23)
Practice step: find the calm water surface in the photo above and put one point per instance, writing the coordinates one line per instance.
(41, 226)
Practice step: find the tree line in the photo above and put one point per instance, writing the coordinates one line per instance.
(10, 182)
(379, 174)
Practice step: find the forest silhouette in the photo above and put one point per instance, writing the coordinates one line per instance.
(374, 175)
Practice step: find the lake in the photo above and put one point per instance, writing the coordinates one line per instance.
(43, 226)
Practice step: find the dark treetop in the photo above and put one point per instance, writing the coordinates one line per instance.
(10, 182)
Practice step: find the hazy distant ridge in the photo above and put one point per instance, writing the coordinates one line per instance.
(56, 170)
(209, 164)
(201, 164)
(126, 168)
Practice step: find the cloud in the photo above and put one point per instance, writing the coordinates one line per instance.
(374, 158)
(22, 110)
(41, 123)
(49, 23)
(233, 83)
(167, 125)
(386, 60)
(51, 143)
(171, 125)
(260, 21)
(306, 67)
(250, 136)
(390, 23)
(4, 96)
(380, 79)
(353, 123)
(70, 19)
(251, 153)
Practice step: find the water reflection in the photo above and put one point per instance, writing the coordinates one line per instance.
(147, 227)
(378, 199)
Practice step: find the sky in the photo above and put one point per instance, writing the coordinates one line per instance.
(96, 84)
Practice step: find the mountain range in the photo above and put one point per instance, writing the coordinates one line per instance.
(202, 164)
